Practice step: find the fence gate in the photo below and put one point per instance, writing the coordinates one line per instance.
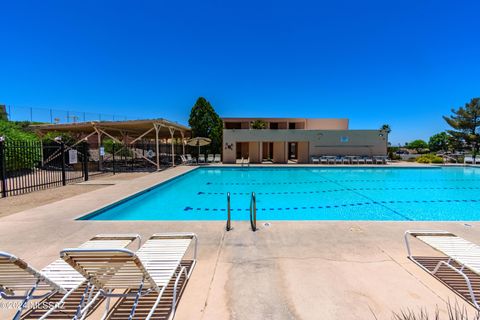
(27, 166)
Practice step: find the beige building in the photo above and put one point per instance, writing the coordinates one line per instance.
(284, 140)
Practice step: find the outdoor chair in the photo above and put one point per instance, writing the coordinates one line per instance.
(345, 160)
(148, 271)
(338, 160)
(368, 160)
(324, 160)
(217, 158)
(361, 160)
(201, 158)
(461, 258)
(210, 158)
(315, 160)
(58, 281)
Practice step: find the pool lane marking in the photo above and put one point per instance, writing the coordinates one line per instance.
(341, 190)
(333, 206)
(331, 180)
(367, 197)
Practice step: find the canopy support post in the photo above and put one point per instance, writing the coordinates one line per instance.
(183, 142)
(172, 132)
(157, 147)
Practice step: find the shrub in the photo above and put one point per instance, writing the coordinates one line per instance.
(429, 158)
(454, 312)
(26, 153)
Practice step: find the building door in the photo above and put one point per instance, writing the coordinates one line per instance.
(292, 151)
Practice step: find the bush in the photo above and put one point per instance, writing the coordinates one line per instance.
(120, 149)
(28, 154)
(454, 312)
(429, 158)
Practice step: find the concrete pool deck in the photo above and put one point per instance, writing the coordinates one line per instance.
(288, 270)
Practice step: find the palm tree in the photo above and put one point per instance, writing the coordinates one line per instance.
(386, 128)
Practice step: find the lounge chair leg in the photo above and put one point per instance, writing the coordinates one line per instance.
(58, 304)
(22, 306)
(174, 301)
(467, 281)
(157, 301)
(107, 305)
(80, 305)
(137, 297)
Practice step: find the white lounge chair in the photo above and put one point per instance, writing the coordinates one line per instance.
(338, 159)
(469, 159)
(201, 158)
(324, 160)
(184, 159)
(345, 160)
(210, 158)
(58, 277)
(315, 160)
(217, 158)
(150, 269)
(380, 160)
(354, 160)
(368, 160)
(189, 158)
(458, 251)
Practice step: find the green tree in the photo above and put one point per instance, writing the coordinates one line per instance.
(259, 124)
(418, 145)
(465, 123)
(3, 113)
(205, 122)
(439, 142)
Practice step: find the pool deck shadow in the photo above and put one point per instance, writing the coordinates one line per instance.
(287, 270)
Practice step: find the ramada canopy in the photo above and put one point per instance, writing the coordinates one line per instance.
(131, 128)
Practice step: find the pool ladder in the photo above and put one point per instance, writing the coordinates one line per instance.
(253, 213)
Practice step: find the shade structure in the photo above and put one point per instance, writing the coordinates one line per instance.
(199, 142)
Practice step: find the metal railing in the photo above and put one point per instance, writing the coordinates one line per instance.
(229, 217)
(253, 212)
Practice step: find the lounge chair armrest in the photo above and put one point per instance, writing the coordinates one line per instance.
(417, 233)
(174, 235)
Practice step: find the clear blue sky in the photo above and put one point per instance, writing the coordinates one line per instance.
(405, 63)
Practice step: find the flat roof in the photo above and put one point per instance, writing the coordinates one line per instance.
(279, 119)
(116, 128)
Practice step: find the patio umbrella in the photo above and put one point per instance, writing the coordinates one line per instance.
(199, 142)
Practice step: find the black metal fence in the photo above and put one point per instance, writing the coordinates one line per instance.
(26, 166)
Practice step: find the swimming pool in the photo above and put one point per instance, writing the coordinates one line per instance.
(308, 193)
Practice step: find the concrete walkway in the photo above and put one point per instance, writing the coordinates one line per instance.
(288, 270)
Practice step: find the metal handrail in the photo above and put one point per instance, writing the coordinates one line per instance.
(253, 212)
(229, 217)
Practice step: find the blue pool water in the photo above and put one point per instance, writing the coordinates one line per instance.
(309, 194)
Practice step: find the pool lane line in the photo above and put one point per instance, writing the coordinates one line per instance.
(330, 180)
(340, 190)
(367, 197)
(334, 206)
